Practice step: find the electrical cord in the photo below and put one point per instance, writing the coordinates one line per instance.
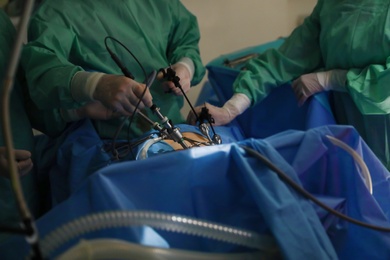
(306, 194)
(196, 143)
(170, 74)
(127, 73)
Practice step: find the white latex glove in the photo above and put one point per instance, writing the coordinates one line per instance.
(117, 93)
(23, 159)
(121, 94)
(310, 84)
(184, 70)
(223, 115)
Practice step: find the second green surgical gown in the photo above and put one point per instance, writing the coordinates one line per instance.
(67, 36)
(352, 35)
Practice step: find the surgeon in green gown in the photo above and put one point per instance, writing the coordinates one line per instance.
(68, 66)
(343, 46)
(23, 141)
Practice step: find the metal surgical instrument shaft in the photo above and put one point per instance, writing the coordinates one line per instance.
(154, 124)
(173, 132)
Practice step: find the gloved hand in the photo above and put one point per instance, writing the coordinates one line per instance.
(117, 93)
(23, 158)
(184, 70)
(94, 110)
(223, 115)
(121, 94)
(310, 84)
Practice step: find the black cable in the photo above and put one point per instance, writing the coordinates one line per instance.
(170, 74)
(127, 73)
(118, 62)
(196, 143)
(306, 194)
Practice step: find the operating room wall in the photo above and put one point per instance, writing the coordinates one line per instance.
(231, 25)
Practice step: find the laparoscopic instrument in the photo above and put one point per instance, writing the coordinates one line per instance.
(166, 128)
(204, 119)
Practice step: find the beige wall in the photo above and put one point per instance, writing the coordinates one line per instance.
(230, 25)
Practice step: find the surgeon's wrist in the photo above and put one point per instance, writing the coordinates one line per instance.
(237, 105)
(188, 64)
(83, 85)
(338, 80)
(333, 79)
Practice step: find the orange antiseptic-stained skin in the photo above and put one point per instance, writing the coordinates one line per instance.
(194, 137)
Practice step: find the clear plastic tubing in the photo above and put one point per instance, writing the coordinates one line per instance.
(167, 222)
(143, 154)
(357, 158)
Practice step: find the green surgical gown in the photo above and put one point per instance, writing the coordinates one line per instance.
(352, 35)
(67, 36)
(21, 132)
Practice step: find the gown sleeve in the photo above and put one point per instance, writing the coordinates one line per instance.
(184, 40)
(299, 54)
(370, 88)
(45, 59)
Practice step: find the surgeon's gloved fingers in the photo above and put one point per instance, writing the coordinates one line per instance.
(160, 75)
(306, 86)
(4, 167)
(140, 91)
(121, 93)
(295, 87)
(299, 92)
(169, 87)
(111, 89)
(22, 155)
(3, 162)
(24, 166)
(185, 74)
(23, 162)
(180, 81)
(124, 107)
(221, 115)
